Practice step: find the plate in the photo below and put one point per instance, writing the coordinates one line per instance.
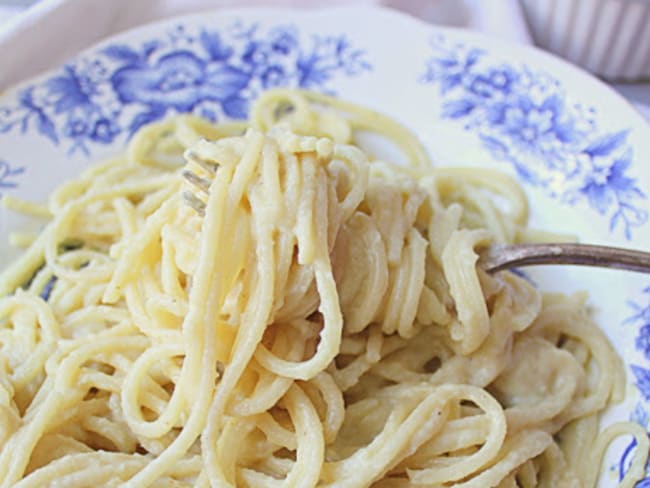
(579, 150)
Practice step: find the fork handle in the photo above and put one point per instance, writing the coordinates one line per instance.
(502, 257)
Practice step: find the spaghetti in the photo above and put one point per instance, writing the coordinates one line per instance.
(314, 317)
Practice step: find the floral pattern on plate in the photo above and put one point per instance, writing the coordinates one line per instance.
(8, 175)
(213, 73)
(640, 319)
(524, 117)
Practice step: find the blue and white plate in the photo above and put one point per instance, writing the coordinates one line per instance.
(580, 151)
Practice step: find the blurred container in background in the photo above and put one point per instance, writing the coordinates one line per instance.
(610, 38)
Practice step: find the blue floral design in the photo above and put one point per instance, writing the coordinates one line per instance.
(640, 414)
(216, 74)
(8, 175)
(526, 119)
(641, 318)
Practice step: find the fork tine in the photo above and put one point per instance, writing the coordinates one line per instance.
(210, 167)
(195, 202)
(195, 180)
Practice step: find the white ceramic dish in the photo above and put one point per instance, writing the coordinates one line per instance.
(579, 150)
(610, 38)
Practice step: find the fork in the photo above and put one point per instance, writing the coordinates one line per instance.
(495, 258)
(492, 258)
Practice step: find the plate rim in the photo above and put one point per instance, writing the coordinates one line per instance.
(348, 10)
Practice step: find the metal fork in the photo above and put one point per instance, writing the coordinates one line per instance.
(492, 258)
(200, 184)
(496, 258)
